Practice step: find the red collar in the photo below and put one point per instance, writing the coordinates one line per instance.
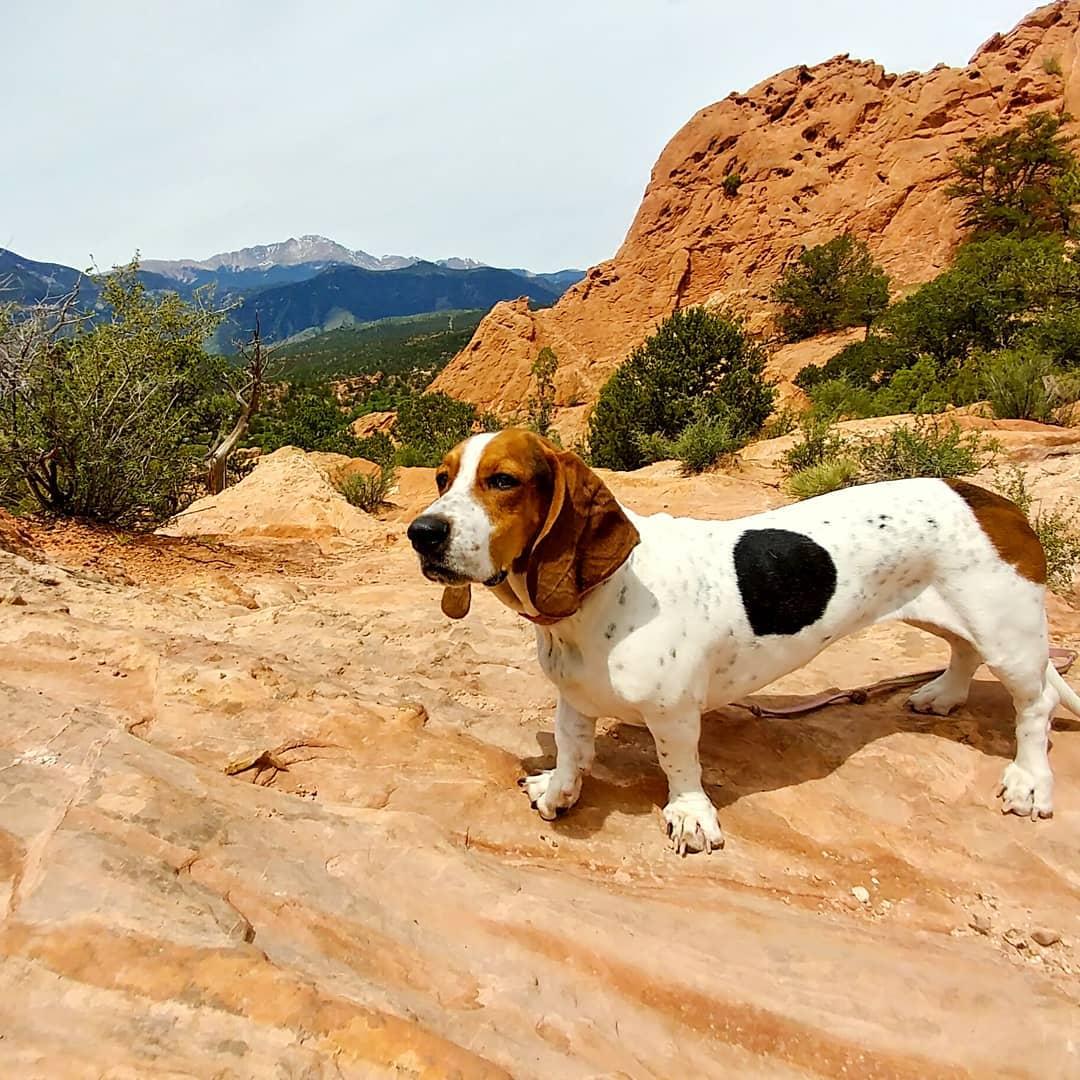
(540, 620)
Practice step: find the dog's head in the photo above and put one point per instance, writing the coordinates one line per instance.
(512, 503)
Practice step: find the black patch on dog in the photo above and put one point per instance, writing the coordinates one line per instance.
(786, 580)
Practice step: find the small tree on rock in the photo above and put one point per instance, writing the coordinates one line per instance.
(829, 287)
(542, 403)
(1024, 181)
(249, 397)
(698, 365)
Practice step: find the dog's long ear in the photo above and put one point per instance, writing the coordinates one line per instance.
(585, 538)
(456, 601)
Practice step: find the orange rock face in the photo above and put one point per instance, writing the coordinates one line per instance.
(820, 150)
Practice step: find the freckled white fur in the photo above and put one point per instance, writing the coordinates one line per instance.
(469, 552)
(666, 637)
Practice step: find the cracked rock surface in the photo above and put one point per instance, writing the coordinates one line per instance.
(258, 817)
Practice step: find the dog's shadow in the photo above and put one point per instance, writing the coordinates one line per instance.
(743, 754)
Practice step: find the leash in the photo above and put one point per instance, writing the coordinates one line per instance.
(1062, 659)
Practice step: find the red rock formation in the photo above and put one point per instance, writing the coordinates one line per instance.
(840, 146)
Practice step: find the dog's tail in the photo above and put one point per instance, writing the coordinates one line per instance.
(1069, 697)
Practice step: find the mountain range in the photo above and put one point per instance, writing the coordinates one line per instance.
(302, 284)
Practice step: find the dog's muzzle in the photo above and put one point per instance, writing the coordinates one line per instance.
(429, 535)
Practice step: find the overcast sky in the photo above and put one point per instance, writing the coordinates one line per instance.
(521, 134)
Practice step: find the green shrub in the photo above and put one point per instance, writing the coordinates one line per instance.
(828, 287)
(377, 447)
(731, 184)
(865, 363)
(1055, 529)
(654, 447)
(782, 422)
(306, 416)
(818, 444)
(919, 388)
(927, 352)
(410, 457)
(1022, 181)
(109, 421)
(838, 399)
(1020, 385)
(823, 460)
(1055, 333)
(698, 364)
(990, 295)
(822, 478)
(1052, 65)
(704, 442)
(429, 425)
(926, 447)
(368, 492)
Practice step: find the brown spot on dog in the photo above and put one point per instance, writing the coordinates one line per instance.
(1007, 528)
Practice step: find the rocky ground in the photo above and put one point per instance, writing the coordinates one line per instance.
(258, 818)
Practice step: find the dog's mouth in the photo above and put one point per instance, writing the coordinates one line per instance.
(445, 576)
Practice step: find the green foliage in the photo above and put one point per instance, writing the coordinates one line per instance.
(429, 425)
(839, 399)
(830, 286)
(1023, 384)
(863, 363)
(917, 389)
(702, 443)
(926, 447)
(781, 422)
(377, 447)
(109, 421)
(368, 492)
(309, 417)
(542, 403)
(698, 364)
(654, 447)
(990, 295)
(1021, 182)
(824, 460)
(1055, 529)
(930, 350)
(1052, 65)
(825, 476)
(818, 444)
(408, 351)
(731, 184)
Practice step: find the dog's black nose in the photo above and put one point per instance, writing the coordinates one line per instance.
(429, 534)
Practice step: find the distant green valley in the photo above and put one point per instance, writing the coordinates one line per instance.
(399, 347)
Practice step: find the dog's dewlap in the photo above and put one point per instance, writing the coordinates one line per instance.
(785, 580)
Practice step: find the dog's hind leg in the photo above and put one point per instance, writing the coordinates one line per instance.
(950, 689)
(1005, 619)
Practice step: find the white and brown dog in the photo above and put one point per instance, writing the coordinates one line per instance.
(655, 619)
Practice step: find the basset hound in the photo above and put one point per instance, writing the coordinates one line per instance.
(656, 618)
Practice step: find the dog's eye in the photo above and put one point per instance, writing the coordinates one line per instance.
(441, 480)
(503, 481)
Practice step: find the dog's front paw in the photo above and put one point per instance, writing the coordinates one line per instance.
(1025, 793)
(692, 824)
(550, 793)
